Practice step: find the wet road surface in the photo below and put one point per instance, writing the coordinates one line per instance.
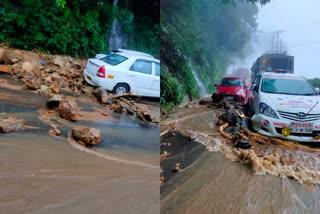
(40, 173)
(223, 179)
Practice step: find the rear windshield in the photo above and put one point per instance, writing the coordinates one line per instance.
(114, 59)
(292, 86)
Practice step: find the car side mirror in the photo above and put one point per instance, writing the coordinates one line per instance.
(255, 87)
(216, 84)
(317, 90)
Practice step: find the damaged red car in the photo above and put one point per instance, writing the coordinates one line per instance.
(232, 88)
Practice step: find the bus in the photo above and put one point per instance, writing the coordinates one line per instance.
(273, 63)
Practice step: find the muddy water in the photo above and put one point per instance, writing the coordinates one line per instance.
(43, 174)
(265, 179)
(217, 185)
(40, 173)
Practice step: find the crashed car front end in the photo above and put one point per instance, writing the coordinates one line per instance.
(291, 122)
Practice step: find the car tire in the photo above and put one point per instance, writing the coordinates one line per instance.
(249, 111)
(121, 89)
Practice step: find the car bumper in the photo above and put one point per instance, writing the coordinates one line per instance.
(96, 81)
(272, 127)
(231, 97)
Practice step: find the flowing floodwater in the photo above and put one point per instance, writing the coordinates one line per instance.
(267, 178)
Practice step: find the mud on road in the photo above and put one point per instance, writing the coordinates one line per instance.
(219, 177)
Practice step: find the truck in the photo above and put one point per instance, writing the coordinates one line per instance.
(273, 62)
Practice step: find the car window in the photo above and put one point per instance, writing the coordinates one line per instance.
(231, 82)
(292, 86)
(114, 59)
(142, 66)
(157, 69)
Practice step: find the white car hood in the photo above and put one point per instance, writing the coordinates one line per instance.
(293, 103)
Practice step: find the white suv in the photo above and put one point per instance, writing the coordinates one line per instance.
(285, 106)
(124, 71)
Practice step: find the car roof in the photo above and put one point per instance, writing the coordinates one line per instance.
(232, 77)
(135, 56)
(131, 52)
(280, 74)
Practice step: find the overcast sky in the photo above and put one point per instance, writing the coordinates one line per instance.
(300, 21)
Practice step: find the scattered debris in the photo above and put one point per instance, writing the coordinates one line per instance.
(68, 109)
(10, 124)
(177, 167)
(102, 95)
(105, 113)
(55, 132)
(54, 100)
(86, 135)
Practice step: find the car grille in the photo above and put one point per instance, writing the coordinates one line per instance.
(294, 116)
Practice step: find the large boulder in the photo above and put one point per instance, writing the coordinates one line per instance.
(68, 109)
(11, 124)
(102, 95)
(88, 136)
(11, 56)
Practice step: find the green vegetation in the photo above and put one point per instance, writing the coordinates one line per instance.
(315, 82)
(80, 28)
(205, 34)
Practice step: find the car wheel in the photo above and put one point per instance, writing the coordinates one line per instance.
(120, 89)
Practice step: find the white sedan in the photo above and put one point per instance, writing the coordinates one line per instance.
(124, 71)
(285, 106)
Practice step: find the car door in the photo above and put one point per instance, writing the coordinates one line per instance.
(141, 76)
(156, 80)
(253, 98)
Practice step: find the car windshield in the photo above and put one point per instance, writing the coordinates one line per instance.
(114, 59)
(287, 85)
(231, 82)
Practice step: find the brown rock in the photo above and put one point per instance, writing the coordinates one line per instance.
(5, 68)
(55, 132)
(60, 61)
(53, 126)
(55, 89)
(116, 107)
(87, 89)
(27, 66)
(11, 124)
(2, 55)
(89, 136)
(55, 77)
(54, 100)
(102, 95)
(32, 82)
(68, 109)
(11, 56)
(105, 113)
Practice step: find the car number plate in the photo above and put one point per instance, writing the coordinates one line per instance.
(229, 98)
(297, 127)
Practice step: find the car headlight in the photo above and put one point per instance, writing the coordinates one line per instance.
(240, 92)
(267, 110)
